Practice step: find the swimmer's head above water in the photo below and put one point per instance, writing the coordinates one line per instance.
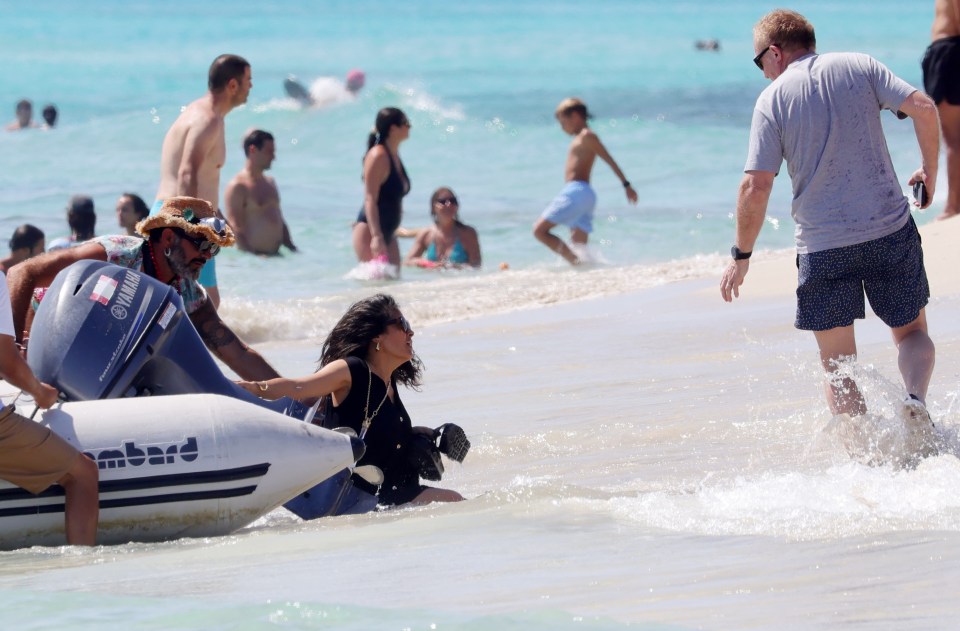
(355, 80)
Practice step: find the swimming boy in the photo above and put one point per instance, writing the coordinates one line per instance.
(573, 207)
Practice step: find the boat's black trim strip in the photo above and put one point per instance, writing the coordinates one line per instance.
(144, 500)
(147, 482)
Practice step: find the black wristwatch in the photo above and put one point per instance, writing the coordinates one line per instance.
(738, 255)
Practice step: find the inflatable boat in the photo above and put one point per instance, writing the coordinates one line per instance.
(181, 449)
(195, 465)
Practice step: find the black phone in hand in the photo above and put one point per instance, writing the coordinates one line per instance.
(920, 193)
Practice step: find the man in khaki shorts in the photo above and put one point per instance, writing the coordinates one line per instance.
(33, 457)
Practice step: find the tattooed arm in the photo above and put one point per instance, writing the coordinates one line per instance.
(229, 348)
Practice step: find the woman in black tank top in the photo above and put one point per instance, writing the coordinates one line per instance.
(385, 184)
(368, 352)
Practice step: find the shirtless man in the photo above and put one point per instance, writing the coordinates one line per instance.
(941, 80)
(194, 148)
(574, 205)
(24, 118)
(252, 200)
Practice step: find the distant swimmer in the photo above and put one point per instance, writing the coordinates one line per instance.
(573, 207)
(707, 44)
(252, 200)
(27, 241)
(325, 91)
(24, 118)
(296, 90)
(49, 116)
(82, 219)
(355, 81)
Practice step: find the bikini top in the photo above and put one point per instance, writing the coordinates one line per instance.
(458, 255)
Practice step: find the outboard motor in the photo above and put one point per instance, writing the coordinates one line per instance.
(104, 332)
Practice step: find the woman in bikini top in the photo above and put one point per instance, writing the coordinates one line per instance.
(448, 242)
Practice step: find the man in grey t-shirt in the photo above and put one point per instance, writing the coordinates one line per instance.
(854, 233)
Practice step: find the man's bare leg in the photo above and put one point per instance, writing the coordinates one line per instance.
(916, 355)
(82, 512)
(950, 124)
(843, 395)
(541, 230)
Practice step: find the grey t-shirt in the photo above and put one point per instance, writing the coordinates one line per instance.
(822, 115)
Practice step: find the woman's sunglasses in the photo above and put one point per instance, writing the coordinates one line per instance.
(402, 321)
(448, 201)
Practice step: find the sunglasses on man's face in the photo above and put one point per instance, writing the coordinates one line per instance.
(402, 322)
(203, 245)
(758, 60)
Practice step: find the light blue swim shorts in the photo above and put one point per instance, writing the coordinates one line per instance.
(573, 207)
(208, 273)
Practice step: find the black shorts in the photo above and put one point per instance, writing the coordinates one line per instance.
(889, 270)
(941, 70)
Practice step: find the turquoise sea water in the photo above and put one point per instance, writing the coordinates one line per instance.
(479, 81)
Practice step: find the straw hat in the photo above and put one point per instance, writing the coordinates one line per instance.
(194, 216)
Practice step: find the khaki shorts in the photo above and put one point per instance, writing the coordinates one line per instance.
(31, 456)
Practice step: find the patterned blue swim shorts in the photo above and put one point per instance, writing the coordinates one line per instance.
(889, 270)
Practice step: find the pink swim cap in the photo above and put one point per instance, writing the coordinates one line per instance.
(355, 80)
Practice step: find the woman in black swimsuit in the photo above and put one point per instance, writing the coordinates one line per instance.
(385, 184)
(367, 354)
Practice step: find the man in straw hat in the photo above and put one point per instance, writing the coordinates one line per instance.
(176, 243)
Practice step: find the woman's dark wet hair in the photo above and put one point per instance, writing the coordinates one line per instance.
(352, 335)
(386, 117)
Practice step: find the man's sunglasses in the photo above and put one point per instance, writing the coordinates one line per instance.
(758, 60)
(402, 321)
(203, 246)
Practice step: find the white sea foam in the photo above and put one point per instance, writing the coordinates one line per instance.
(434, 297)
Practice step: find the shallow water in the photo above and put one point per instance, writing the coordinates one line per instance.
(680, 480)
(643, 456)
